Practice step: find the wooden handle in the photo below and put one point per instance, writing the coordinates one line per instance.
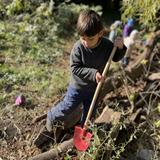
(99, 87)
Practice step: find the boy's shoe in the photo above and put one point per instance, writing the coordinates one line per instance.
(45, 137)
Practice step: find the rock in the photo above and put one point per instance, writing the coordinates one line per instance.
(108, 116)
(145, 154)
(19, 18)
(1, 134)
(154, 76)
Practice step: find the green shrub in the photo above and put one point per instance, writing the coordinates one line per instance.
(146, 12)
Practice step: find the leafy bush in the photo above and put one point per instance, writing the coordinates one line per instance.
(17, 6)
(145, 11)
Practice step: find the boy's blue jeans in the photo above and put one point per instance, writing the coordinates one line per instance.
(69, 108)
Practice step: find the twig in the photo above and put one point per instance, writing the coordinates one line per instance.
(54, 153)
(39, 118)
(124, 79)
(43, 116)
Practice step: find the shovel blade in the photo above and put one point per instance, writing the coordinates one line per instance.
(81, 138)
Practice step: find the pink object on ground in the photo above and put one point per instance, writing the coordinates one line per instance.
(20, 100)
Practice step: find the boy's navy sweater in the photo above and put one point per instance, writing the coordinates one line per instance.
(85, 62)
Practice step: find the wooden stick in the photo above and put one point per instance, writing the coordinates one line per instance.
(54, 153)
(99, 87)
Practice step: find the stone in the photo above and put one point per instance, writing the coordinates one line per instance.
(145, 154)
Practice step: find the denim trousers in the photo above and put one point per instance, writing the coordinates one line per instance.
(67, 110)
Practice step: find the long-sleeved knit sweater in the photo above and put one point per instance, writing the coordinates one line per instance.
(85, 62)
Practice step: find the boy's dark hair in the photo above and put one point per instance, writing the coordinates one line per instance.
(89, 23)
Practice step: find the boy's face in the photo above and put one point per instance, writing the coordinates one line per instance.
(91, 42)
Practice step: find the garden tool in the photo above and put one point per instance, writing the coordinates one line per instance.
(81, 137)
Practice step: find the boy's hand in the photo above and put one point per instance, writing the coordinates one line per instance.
(99, 77)
(119, 42)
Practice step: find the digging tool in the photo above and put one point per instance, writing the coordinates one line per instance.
(81, 137)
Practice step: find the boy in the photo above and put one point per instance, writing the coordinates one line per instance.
(130, 43)
(88, 58)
